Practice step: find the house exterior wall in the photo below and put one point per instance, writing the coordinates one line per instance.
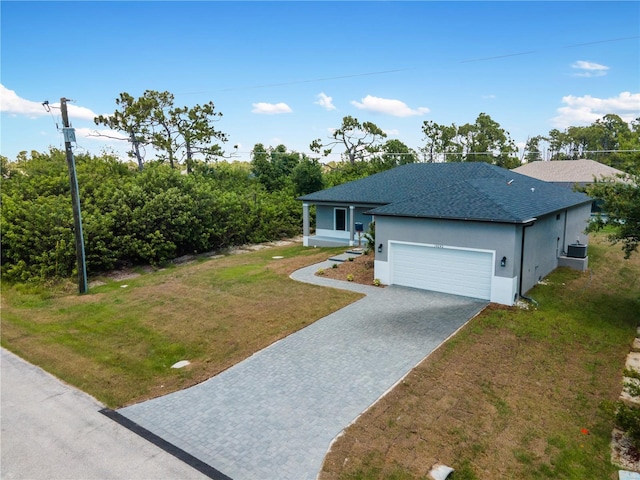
(577, 221)
(545, 240)
(543, 243)
(325, 220)
(501, 239)
(548, 239)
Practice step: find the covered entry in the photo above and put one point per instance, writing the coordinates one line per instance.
(442, 269)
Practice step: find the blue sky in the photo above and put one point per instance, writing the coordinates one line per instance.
(288, 72)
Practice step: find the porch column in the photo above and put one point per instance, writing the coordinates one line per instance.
(352, 225)
(305, 224)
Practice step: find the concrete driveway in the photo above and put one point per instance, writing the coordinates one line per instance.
(274, 415)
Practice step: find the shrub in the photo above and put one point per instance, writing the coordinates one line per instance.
(370, 237)
(628, 419)
(320, 271)
(335, 265)
(350, 278)
(377, 282)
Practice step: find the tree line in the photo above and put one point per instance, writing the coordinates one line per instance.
(190, 198)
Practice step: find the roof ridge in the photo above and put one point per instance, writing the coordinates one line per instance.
(501, 206)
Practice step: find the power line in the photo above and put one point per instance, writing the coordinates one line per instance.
(398, 70)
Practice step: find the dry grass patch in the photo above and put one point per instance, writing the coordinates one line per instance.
(118, 344)
(510, 395)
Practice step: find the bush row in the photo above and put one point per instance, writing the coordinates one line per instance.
(130, 217)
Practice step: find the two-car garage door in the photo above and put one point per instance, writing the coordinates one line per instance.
(460, 272)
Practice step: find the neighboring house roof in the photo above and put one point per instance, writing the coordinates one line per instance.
(464, 191)
(568, 172)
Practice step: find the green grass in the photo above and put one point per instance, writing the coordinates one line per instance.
(118, 344)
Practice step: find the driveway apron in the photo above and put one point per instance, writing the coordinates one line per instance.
(53, 431)
(274, 415)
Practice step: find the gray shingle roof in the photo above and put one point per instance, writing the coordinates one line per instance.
(470, 191)
(568, 171)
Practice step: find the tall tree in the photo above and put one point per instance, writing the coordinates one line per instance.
(360, 140)
(177, 133)
(394, 153)
(438, 140)
(532, 151)
(132, 118)
(622, 210)
(307, 176)
(273, 166)
(557, 142)
(482, 141)
(492, 142)
(195, 132)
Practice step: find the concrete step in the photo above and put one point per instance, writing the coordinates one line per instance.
(344, 257)
(633, 361)
(625, 397)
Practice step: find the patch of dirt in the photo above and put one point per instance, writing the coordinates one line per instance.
(623, 452)
(361, 269)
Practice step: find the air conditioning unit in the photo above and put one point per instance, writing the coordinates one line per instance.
(577, 250)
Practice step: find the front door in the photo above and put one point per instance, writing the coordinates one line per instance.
(341, 218)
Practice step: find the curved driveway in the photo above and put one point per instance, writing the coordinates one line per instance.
(274, 415)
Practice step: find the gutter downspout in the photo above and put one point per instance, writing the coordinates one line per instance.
(528, 223)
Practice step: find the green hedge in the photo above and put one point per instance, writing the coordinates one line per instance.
(130, 217)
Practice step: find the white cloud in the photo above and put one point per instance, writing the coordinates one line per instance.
(394, 132)
(586, 110)
(388, 106)
(489, 97)
(10, 102)
(589, 69)
(325, 101)
(80, 113)
(271, 108)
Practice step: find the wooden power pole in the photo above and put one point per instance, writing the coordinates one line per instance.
(70, 136)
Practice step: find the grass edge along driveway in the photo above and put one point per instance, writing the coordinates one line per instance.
(118, 342)
(516, 394)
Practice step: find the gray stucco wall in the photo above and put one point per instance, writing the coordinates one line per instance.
(545, 240)
(325, 216)
(548, 239)
(577, 220)
(543, 243)
(477, 235)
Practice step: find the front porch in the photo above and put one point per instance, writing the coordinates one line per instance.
(329, 241)
(324, 241)
(331, 232)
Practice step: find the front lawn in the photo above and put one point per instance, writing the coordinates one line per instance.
(118, 342)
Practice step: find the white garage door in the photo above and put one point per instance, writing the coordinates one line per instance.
(447, 270)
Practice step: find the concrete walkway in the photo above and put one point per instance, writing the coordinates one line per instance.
(52, 431)
(274, 415)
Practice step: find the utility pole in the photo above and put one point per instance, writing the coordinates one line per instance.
(70, 136)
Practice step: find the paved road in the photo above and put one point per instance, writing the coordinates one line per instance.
(52, 431)
(274, 415)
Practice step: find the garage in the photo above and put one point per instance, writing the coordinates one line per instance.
(442, 269)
